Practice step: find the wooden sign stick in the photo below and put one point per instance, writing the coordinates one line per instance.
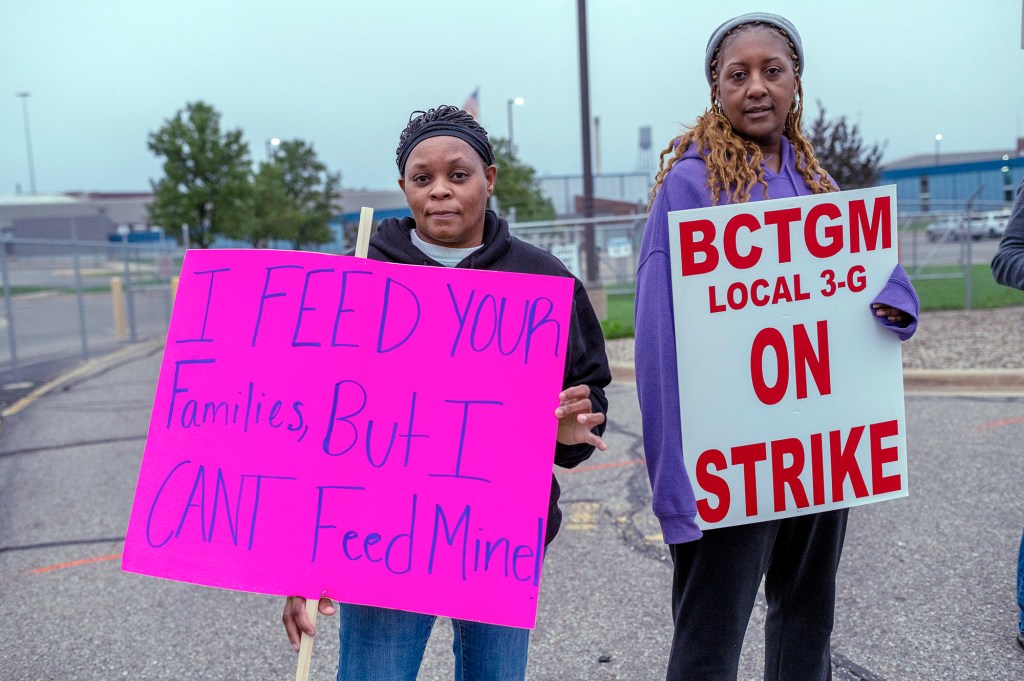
(312, 605)
(363, 237)
(306, 644)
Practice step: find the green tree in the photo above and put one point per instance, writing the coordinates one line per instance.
(311, 191)
(206, 175)
(843, 153)
(518, 188)
(270, 210)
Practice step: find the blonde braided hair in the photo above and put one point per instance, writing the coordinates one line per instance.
(734, 164)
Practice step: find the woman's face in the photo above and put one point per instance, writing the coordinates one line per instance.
(447, 187)
(757, 85)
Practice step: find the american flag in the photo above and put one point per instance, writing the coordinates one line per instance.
(472, 105)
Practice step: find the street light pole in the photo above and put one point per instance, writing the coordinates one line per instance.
(938, 138)
(517, 101)
(272, 145)
(28, 140)
(592, 277)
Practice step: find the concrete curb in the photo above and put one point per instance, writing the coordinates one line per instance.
(977, 382)
(90, 368)
(1006, 382)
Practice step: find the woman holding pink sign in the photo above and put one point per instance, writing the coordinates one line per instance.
(447, 171)
(748, 147)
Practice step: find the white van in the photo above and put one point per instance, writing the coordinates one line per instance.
(990, 224)
(955, 227)
(994, 222)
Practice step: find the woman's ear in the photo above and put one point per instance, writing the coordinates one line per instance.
(491, 175)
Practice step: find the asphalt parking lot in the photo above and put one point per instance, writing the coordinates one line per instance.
(926, 588)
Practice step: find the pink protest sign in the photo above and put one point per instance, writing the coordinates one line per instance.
(382, 434)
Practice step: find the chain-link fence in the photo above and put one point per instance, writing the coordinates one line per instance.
(616, 243)
(952, 247)
(70, 299)
(77, 299)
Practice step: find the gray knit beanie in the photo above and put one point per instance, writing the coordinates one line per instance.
(764, 18)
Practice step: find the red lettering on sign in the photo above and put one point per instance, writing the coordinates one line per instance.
(713, 304)
(732, 254)
(844, 463)
(691, 247)
(833, 232)
(817, 469)
(738, 293)
(790, 458)
(815, 363)
(805, 360)
(769, 338)
(883, 484)
(747, 456)
(787, 476)
(879, 225)
(712, 484)
(826, 229)
(782, 219)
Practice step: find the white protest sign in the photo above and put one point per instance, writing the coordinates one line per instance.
(620, 247)
(791, 394)
(569, 254)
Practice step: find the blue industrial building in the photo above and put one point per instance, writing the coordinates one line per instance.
(976, 181)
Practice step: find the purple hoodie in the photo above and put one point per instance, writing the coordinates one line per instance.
(685, 187)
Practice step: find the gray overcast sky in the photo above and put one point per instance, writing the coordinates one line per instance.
(344, 75)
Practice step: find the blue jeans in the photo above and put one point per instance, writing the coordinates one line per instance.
(1020, 585)
(378, 644)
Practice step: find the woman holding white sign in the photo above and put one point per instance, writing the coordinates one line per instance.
(748, 147)
(447, 171)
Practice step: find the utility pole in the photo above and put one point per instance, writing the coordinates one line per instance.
(589, 244)
(28, 140)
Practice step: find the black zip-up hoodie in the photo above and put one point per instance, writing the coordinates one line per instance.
(586, 362)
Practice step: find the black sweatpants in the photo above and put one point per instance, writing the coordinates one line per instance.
(715, 582)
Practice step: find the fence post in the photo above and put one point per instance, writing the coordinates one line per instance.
(913, 244)
(128, 285)
(4, 240)
(117, 297)
(969, 238)
(969, 269)
(78, 289)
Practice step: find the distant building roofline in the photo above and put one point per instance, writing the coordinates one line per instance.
(950, 158)
(45, 199)
(109, 196)
(35, 199)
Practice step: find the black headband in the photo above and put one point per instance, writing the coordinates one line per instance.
(473, 138)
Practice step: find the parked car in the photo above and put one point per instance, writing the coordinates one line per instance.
(956, 227)
(995, 222)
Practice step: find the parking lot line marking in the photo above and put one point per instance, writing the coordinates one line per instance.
(74, 563)
(989, 425)
(94, 364)
(583, 515)
(599, 466)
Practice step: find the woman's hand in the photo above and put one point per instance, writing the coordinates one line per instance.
(576, 418)
(295, 621)
(898, 317)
